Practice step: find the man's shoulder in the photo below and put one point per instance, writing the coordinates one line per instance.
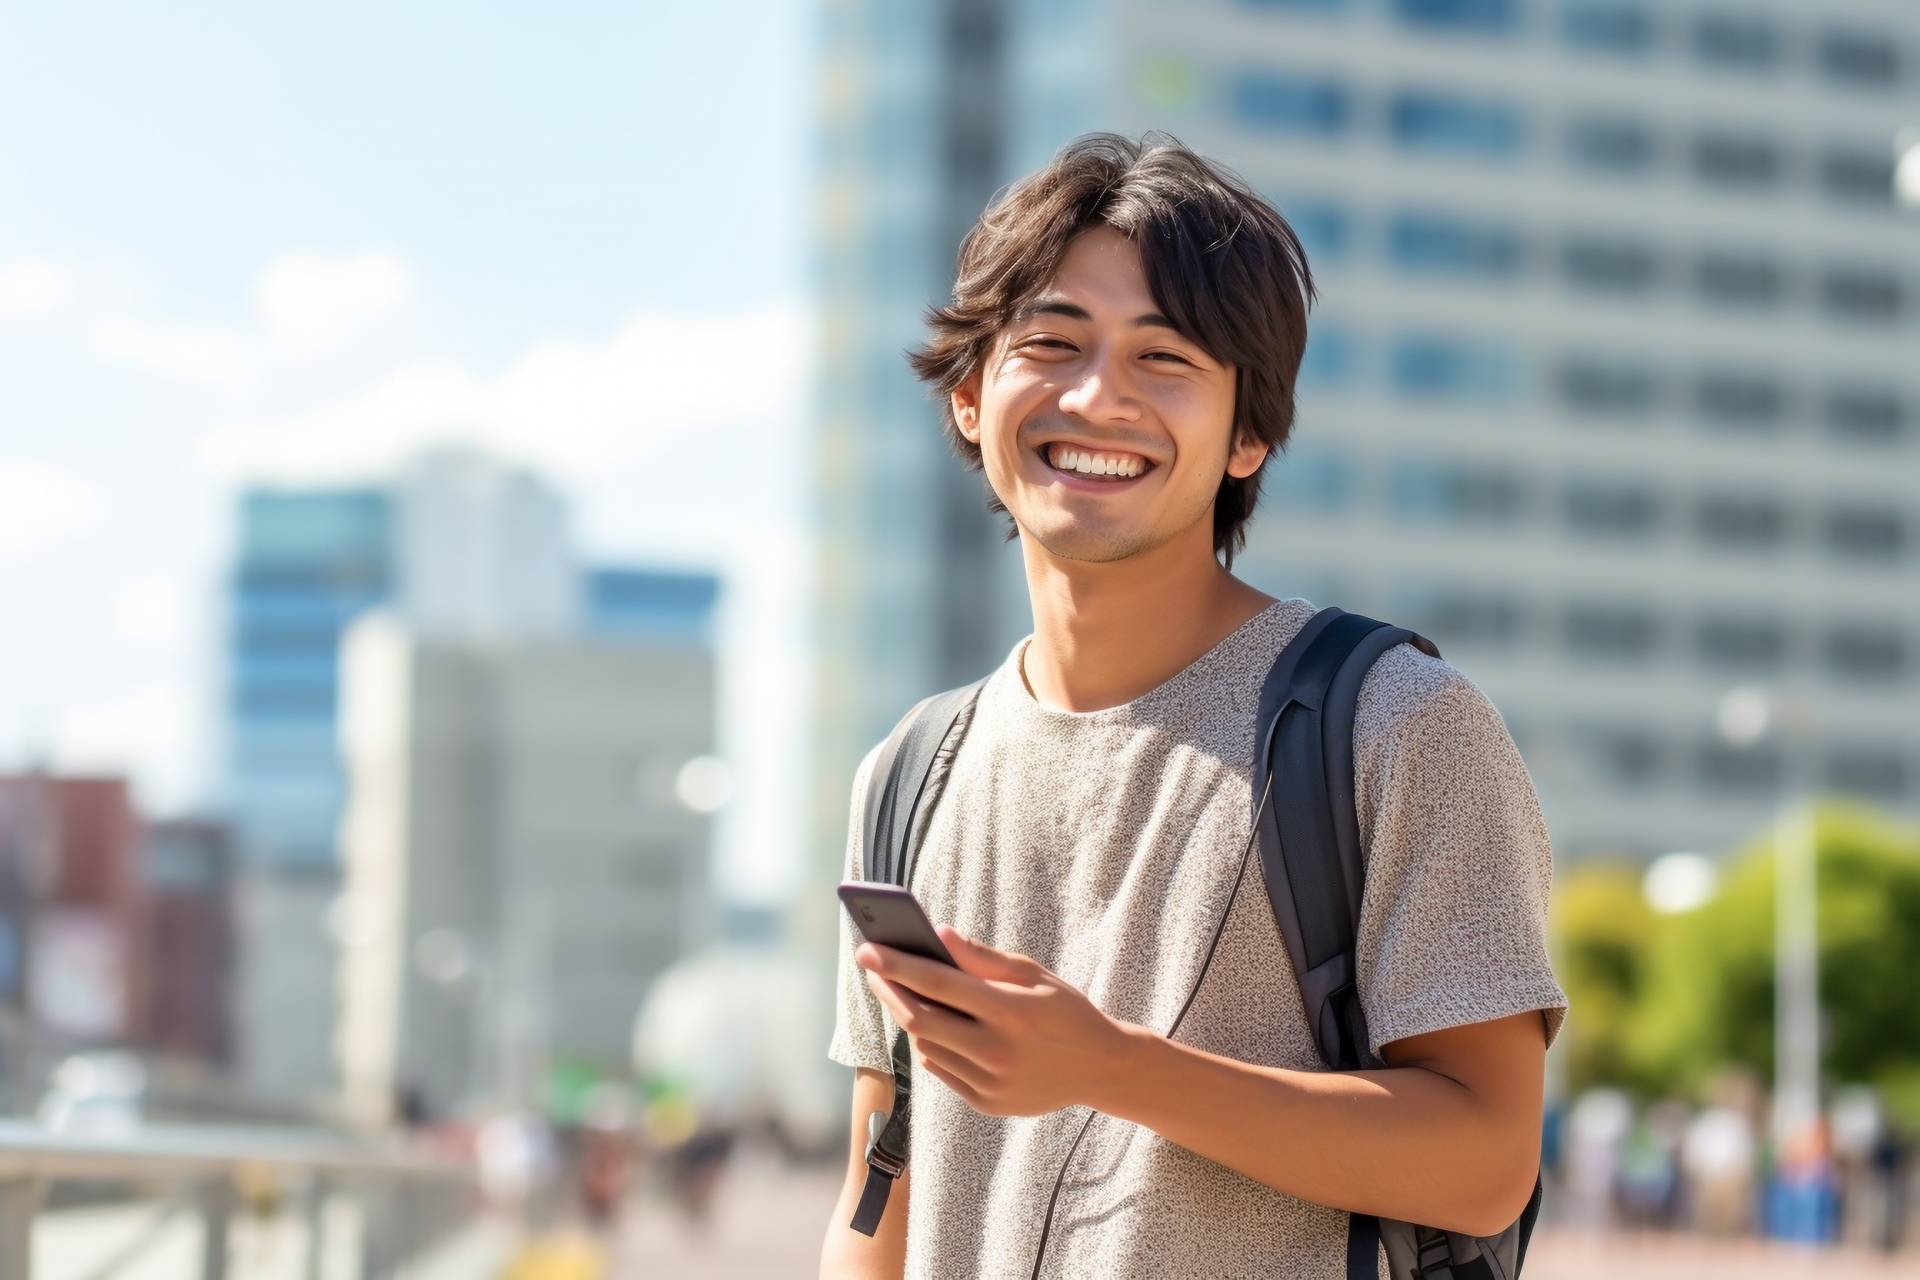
(1406, 688)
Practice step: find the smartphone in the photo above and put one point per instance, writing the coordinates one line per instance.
(892, 917)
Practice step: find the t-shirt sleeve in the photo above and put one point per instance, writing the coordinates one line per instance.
(1459, 863)
(862, 1036)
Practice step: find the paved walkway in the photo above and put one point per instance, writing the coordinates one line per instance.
(1574, 1256)
(767, 1224)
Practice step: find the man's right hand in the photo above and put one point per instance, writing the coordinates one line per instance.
(846, 1254)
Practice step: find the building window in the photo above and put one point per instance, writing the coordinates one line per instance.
(1453, 493)
(1427, 243)
(1626, 756)
(1859, 59)
(1740, 642)
(1431, 367)
(1864, 532)
(1742, 522)
(1737, 160)
(1865, 652)
(1876, 771)
(1745, 400)
(1329, 358)
(1608, 26)
(1324, 227)
(1861, 293)
(1314, 481)
(1486, 17)
(1460, 618)
(1611, 631)
(1611, 144)
(1610, 265)
(1737, 42)
(1430, 120)
(1857, 175)
(1609, 388)
(1865, 414)
(1739, 769)
(1738, 280)
(1610, 509)
(1278, 102)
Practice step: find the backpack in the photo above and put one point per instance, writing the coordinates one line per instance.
(1307, 831)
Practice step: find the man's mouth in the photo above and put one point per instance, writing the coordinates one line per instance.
(1096, 464)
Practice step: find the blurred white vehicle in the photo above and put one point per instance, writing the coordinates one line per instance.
(744, 1035)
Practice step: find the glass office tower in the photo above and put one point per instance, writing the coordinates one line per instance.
(309, 562)
(1612, 386)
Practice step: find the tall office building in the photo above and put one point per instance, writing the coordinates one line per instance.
(461, 546)
(1611, 388)
(308, 563)
(526, 847)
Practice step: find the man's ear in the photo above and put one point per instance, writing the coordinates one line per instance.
(1249, 453)
(965, 403)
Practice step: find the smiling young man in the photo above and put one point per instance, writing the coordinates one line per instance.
(1119, 357)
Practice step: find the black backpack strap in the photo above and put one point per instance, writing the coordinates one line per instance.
(1309, 837)
(897, 791)
(909, 774)
(1309, 834)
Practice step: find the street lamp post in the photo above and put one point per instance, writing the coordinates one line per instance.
(1796, 973)
(1747, 718)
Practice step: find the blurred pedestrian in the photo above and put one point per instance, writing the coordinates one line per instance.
(1717, 1158)
(1597, 1126)
(1650, 1189)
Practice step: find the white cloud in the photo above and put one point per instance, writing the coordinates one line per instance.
(154, 611)
(153, 729)
(184, 352)
(32, 287)
(313, 304)
(305, 304)
(568, 405)
(39, 504)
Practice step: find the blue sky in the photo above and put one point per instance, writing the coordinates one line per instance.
(244, 242)
(547, 165)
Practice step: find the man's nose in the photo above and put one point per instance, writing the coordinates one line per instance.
(1102, 392)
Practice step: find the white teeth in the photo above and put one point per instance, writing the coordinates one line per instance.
(1086, 463)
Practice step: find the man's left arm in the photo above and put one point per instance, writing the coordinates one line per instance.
(1448, 1134)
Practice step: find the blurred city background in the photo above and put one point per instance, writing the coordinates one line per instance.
(464, 513)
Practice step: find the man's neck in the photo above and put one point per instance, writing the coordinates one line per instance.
(1105, 633)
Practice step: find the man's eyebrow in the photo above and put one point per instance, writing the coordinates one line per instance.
(1074, 311)
(1054, 307)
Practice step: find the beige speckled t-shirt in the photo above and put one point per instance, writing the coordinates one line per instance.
(1104, 845)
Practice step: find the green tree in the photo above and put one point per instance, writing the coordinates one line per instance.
(1601, 929)
(1676, 997)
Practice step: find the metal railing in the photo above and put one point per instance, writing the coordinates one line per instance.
(407, 1198)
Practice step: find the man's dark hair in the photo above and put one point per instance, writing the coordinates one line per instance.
(1221, 262)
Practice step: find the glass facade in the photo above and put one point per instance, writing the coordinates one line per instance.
(309, 563)
(652, 605)
(1611, 373)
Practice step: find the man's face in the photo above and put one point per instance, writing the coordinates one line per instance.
(1102, 429)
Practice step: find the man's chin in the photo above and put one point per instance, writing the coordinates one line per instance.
(1091, 545)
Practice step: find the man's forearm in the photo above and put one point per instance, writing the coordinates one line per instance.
(846, 1254)
(1405, 1142)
